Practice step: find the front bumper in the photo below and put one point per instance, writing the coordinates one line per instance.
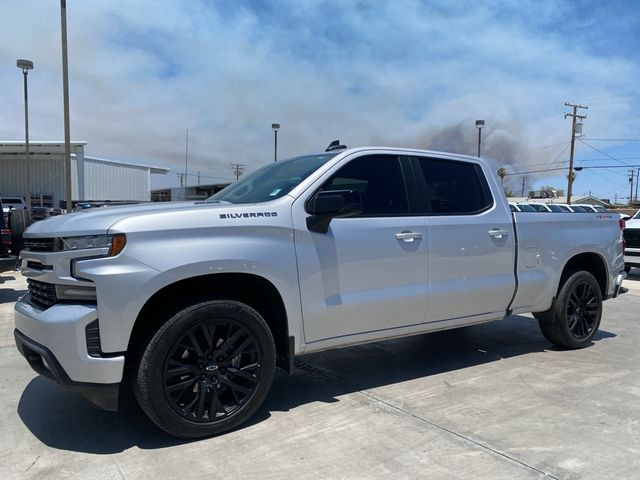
(61, 329)
(632, 257)
(44, 362)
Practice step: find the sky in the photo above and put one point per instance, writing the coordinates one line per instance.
(402, 73)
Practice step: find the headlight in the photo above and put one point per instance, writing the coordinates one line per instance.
(115, 243)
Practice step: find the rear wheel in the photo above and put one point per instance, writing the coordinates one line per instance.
(574, 318)
(207, 369)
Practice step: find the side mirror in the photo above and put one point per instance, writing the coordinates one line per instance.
(332, 204)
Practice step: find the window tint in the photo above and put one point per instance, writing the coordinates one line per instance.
(378, 178)
(453, 187)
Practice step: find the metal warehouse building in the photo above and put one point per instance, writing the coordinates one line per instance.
(92, 178)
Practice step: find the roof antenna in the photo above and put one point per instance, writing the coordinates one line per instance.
(335, 145)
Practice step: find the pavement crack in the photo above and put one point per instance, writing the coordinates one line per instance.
(349, 386)
(32, 464)
(122, 475)
(459, 435)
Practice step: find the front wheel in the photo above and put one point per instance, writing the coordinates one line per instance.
(207, 369)
(575, 316)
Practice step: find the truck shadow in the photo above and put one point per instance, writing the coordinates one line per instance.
(62, 420)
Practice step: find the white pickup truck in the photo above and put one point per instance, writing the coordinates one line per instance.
(199, 301)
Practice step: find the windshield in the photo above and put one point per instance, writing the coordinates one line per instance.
(273, 181)
(555, 208)
(526, 208)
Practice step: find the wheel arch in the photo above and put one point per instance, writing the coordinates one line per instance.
(253, 290)
(590, 262)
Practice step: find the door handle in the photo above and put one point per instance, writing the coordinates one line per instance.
(498, 233)
(408, 236)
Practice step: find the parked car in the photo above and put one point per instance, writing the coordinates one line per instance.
(591, 208)
(40, 213)
(569, 208)
(201, 300)
(5, 233)
(632, 240)
(546, 207)
(539, 207)
(9, 203)
(521, 207)
(12, 226)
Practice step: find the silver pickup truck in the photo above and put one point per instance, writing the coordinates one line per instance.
(198, 302)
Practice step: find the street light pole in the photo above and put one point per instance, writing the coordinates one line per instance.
(65, 101)
(276, 127)
(26, 65)
(479, 125)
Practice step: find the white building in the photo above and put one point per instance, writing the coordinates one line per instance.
(92, 178)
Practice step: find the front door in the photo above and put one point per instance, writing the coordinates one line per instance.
(367, 273)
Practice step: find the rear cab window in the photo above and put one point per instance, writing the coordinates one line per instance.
(451, 187)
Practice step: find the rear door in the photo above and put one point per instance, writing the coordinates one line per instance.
(367, 273)
(471, 241)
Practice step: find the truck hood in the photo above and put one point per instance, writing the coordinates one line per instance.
(97, 221)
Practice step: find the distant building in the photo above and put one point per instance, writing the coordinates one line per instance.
(194, 192)
(92, 178)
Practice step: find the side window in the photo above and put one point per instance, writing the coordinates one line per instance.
(379, 180)
(454, 188)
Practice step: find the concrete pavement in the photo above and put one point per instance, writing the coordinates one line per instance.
(491, 401)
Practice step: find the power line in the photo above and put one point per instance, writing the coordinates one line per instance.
(614, 139)
(551, 164)
(603, 153)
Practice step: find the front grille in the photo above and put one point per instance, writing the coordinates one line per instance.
(42, 295)
(632, 237)
(40, 244)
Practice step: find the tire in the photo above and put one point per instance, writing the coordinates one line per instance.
(206, 370)
(627, 268)
(18, 223)
(574, 318)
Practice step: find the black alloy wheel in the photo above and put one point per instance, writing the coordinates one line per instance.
(207, 369)
(212, 370)
(574, 318)
(582, 310)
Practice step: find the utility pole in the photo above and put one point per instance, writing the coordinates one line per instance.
(637, 181)
(65, 101)
(186, 164)
(574, 117)
(523, 179)
(198, 178)
(237, 169)
(632, 173)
